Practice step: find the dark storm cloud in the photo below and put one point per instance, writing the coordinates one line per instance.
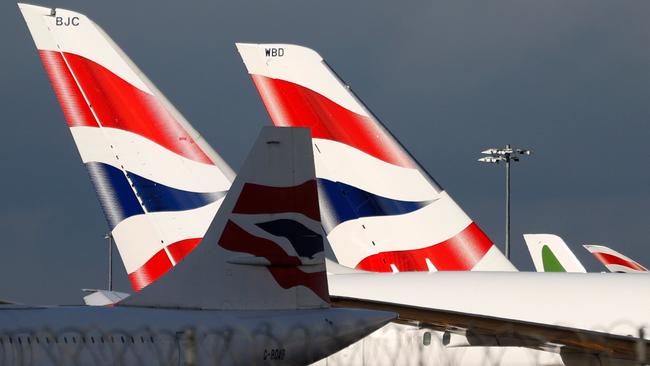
(569, 80)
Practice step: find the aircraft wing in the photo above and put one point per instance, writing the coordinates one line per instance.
(482, 330)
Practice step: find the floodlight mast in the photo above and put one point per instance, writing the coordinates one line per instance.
(109, 238)
(507, 154)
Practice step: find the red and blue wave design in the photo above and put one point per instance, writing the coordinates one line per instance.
(344, 202)
(115, 102)
(305, 242)
(92, 96)
(119, 202)
(296, 106)
(291, 104)
(285, 268)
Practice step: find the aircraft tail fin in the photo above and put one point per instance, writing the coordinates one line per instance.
(382, 212)
(614, 261)
(551, 254)
(264, 249)
(158, 182)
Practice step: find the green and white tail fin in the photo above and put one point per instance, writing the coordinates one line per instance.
(551, 254)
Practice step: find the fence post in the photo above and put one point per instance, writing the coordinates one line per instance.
(641, 347)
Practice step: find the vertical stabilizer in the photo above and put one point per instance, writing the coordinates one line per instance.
(551, 254)
(264, 249)
(615, 261)
(158, 182)
(381, 211)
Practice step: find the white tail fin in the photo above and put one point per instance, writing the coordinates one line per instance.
(264, 249)
(615, 261)
(380, 209)
(551, 254)
(158, 181)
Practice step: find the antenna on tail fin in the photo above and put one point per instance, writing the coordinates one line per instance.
(264, 248)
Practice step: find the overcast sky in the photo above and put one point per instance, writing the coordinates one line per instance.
(569, 80)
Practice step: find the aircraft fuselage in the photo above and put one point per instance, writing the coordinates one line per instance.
(82, 335)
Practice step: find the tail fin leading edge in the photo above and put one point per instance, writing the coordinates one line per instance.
(159, 183)
(380, 210)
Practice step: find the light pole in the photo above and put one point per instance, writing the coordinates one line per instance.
(109, 238)
(507, 154)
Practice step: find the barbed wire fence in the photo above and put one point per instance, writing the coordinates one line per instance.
(409, 345)
(394, 344)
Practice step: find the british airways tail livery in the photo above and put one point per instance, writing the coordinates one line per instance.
(159, 183)
(382, 212)
(253, 292)
(615, 261)
(267, 236)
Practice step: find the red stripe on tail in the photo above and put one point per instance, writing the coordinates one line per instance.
(459, 253)
(285, 272)
(159, 263)
(155, 267)
(182, 248)
(259, 199)
(72, 102)
(293, 105)
(612, 259)
(116, 102)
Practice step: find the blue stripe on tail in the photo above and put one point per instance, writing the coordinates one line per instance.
(341, 202)
(158, 197)
(119, 201)
(305, 242)
(114, 193)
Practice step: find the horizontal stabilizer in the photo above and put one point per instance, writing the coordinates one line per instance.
(103, 297)
(334, 268)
